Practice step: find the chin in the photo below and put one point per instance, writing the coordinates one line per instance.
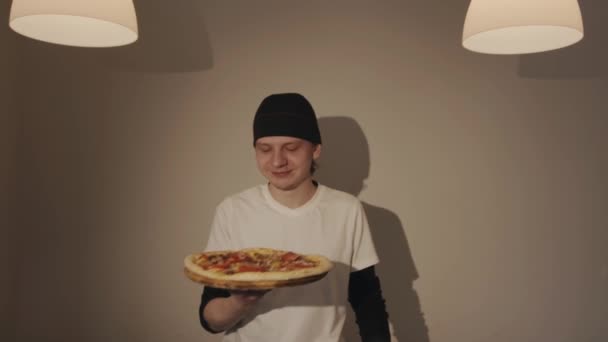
(284, 184)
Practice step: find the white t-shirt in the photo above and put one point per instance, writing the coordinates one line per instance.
(332, 223)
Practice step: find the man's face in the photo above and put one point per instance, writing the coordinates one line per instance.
(285, 161)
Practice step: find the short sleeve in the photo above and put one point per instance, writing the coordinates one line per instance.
(364, 251)
(219, 237)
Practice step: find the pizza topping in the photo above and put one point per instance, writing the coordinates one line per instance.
(289, 256)
(233, 262)
(251, 268)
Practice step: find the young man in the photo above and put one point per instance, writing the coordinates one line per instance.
(293, 212)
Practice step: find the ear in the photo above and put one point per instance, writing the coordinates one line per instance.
(316, 152)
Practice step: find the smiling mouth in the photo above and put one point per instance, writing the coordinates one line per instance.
(280, 173)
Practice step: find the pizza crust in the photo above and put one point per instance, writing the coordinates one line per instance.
(256, 280)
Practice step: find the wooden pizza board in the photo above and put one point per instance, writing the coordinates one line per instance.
(251, 285)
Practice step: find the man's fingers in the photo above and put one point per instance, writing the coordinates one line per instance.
(248, 296)
(258, 293)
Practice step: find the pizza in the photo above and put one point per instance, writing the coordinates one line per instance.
(255, 268)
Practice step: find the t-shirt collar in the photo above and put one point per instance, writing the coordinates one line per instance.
(310, 204)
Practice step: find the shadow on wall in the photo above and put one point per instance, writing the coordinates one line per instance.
(9, 124)
(584, 60)
(344, 165)
(172, 38)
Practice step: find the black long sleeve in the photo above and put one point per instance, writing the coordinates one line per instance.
(210, 293)
(365, 297)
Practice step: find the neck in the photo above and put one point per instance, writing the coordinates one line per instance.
(294, 198)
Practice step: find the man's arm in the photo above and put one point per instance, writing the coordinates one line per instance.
(365, 297)
(220, 309)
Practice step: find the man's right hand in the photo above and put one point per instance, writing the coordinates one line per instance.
(223, 313)
(247, 298)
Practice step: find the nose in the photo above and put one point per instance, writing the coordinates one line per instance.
(278, 159)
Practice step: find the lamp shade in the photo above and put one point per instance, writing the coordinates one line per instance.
(100, 23)
(521, 26)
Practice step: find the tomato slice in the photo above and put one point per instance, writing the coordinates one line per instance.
(238, 256)
(289, 256)
(250, 268)
(221, 266)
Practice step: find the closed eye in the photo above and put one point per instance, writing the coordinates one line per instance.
(292, 147)
(263, 148)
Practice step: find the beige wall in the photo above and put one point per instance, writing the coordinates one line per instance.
(484, 176)
(9, 130)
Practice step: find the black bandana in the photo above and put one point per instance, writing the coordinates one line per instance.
(287, 114)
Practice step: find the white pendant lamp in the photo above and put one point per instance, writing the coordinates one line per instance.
(521, 26)
(86, 23)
